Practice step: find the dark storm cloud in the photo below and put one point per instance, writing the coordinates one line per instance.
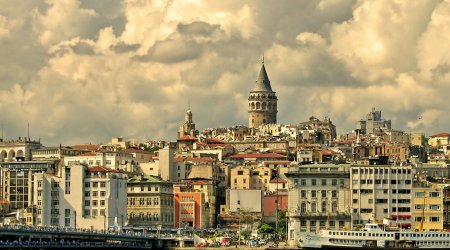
(124, 48)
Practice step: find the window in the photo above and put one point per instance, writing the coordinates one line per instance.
(324, 207)
(87, 212)
(334, 193)
(303, 182)
(355, 201)
(87, 184)
(324, 182)
(87, 203)
(102, 203)
(94, 203)
(334, 182)
(87, 193)
(435, 194)
(313, 193)
(313, 182)
(418, 207)
(303, 207)
(303, 194)
(313, 207)
(324, 193)
(95, 193)
(102, 184)
(102, 193)
(95, 184)
(102, 212)
(435, 207)
(435, 219)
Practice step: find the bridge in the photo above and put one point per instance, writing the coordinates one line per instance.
(27, 237)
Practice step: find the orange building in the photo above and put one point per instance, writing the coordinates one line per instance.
(189, 207)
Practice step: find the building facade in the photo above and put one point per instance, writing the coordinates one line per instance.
(150, 202)
(18, 183)
(318, 198)
(381, 191)
(82, 197)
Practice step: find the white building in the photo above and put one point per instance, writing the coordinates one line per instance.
(110, 159)
(381, 191)
(82, 197)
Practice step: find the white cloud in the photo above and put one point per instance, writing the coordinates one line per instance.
(88, 70)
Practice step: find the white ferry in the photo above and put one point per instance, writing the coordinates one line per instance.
(374, 236)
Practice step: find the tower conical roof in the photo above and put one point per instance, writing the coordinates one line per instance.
(263, 82)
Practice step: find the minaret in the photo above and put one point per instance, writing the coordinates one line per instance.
(262, 102)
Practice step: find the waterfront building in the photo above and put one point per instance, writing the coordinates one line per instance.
(319, 198)
(381, 191)
(428, 206)
(150, 202)
(190, 207)
(81, 197)
(17, 181)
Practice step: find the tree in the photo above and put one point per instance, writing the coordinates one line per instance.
(282, 222)
(265, 229)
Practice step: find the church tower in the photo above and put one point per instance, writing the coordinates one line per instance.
(262, 102)
(188, 127)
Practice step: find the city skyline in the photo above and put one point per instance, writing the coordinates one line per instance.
(84, 71)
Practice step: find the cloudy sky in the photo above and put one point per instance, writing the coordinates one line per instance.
(84, 71)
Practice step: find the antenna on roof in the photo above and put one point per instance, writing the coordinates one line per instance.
(28, 131)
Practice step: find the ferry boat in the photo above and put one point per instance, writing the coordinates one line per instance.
(374, 236)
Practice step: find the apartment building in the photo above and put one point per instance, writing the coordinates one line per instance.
(82, 197)
(189, 207)
(318, 198)
(150, 202)
(381, 191)
(428, 208)
(109, 159)
(240, 178)
(17, 181)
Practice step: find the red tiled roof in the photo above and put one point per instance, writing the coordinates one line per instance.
(278, 180)
(214, 140)
(187, 138)
(101, 169)
(264, 155)
(327, 152)
(441, 135)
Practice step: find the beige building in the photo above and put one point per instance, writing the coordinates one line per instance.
(240, 178)
(82, 197)
(440, 139)
(150, 202)
(17, 150)
(417, 139)
(381, 191)
(319, 198)
(260, 178)
(428, 207)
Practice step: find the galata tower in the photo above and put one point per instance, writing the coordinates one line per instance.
(262, 102)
